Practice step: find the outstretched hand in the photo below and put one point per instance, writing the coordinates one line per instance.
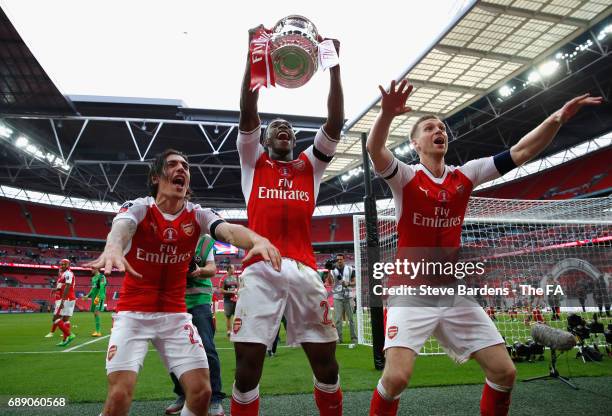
(574, 105)
(113, 258)
(394, 101)
(267, 251)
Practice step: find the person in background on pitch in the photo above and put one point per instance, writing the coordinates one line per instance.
(97, 294)
(554, 301)
(64, 303)
(153, 240)
(56, 295)
(433, 191)
(198, 300)
(601, 296)
(342, 280)
(280, 193)
(272, 351)
(228, 286)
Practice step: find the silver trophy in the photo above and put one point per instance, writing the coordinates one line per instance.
(294, 51)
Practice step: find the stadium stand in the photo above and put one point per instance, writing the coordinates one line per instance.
(344, 229)
(582, 176)
(23, 298)
(12, 218)
(321, 229)
(49, 221)
(90, 224)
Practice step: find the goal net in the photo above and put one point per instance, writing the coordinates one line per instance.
(567, 243)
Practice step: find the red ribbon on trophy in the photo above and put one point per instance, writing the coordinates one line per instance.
(262, 73)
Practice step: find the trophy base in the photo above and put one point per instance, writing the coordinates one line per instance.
(293, 66)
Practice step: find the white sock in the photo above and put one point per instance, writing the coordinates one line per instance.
(384, 394)
(327, 388)
(247, 397)
(503, 389)
(186, 411)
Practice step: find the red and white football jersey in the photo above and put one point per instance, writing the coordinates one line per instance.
(161, 250)
(429, 210)
(281, 196)
(65, 278)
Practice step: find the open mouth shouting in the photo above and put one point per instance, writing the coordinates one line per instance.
(283, 135)
(179, 182)
(439, 140)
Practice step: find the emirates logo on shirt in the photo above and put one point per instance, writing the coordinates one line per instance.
(392, 332)
(170, 235)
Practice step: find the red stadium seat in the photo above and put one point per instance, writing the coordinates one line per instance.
(90, 224)
(49, 221)
(12, 218)
(578, 177)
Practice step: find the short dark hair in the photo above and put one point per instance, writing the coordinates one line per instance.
(157, 169)
(340, 255)
(265, 133)
(419, 121)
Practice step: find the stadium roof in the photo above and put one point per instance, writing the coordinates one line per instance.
(495, 41)
(489, 76)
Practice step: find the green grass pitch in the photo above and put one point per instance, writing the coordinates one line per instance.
(32, 366)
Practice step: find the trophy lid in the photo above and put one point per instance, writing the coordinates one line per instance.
(296, 22)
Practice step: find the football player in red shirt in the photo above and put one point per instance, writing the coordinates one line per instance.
(281, 192)
(153, 239)
(430, 202)
(64, 303)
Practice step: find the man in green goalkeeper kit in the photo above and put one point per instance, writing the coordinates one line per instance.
(97, 294)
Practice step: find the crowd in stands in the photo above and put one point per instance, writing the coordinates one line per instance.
(29, 289)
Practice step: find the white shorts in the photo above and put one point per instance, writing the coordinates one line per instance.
(67, 310)
(173, 335)
(460, 330)
(297, 292)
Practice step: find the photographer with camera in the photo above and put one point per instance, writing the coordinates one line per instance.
(342, 279)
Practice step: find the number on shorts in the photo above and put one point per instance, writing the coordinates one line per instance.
(191, 333)
(325, 307)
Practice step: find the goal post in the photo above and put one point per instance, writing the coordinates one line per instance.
(568, 242)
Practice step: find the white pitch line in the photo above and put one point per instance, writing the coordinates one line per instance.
(86, 343)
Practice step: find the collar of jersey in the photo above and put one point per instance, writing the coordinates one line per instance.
(431, 176)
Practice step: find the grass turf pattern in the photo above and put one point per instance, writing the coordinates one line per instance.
(32, 366)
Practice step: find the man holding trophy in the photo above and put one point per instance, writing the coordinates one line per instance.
(280, 193)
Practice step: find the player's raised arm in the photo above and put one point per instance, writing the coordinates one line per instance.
(393, 104)
(242, 237)
(539, 138)
(249, 117)
(121, 233)
(335, 100)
